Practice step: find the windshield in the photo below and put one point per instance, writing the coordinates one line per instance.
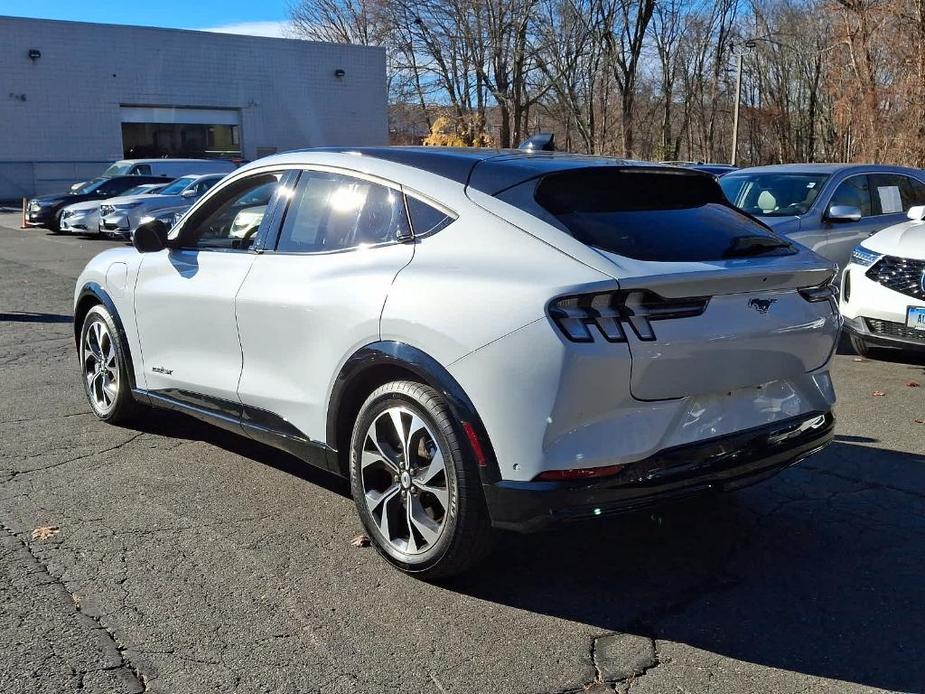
(90, 186)
(773, 194)
(176, 187)
(137, 190)
(120, 168)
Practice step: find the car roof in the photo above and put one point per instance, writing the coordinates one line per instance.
(144, 178)
(826, 169)
(158, 160)
(485, 169)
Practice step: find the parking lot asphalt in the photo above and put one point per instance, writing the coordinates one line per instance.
(176, 558)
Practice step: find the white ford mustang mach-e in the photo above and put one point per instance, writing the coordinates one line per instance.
(474, 338)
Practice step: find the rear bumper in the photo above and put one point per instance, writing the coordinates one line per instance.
(723, 463)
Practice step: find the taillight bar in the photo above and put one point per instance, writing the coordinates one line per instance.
(827, 291)
(575, 315)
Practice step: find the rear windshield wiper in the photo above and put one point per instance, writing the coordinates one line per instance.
(743, 246)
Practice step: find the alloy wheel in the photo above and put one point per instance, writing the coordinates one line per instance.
(101, 366)
(404, 480)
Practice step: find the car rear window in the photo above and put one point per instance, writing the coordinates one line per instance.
(654, 215)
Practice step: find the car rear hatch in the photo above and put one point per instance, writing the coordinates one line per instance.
(710, 300)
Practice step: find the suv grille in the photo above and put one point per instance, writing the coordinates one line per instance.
(901, 275)
(890, 329)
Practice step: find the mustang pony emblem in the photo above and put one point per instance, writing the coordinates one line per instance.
(761, 305)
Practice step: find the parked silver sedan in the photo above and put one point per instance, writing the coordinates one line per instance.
(828, 207)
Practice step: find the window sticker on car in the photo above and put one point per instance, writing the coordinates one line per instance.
(890, 200)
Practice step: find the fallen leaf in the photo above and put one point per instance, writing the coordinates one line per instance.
(44, 532)
(361, 540)
(878, 393)
(919, 421)
(912, 384)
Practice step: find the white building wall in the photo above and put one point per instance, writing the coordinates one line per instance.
(60, 119)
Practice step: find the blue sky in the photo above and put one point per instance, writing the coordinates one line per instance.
(263, 17)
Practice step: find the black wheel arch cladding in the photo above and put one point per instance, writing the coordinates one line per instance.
(403, 359)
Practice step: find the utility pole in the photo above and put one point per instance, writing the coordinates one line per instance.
(735, 111)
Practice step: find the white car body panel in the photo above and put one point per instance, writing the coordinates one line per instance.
(273, 330)
(338, 307)
(115, 271)
(568, 406)
(185, 313)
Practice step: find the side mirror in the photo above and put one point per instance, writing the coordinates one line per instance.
(916, 213)
(188, 193)
(843, 213)
(150, 237)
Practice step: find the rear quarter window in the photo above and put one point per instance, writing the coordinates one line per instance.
(656, 215)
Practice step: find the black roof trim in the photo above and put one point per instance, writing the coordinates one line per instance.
(487, 170)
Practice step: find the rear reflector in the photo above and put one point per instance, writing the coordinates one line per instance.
(475, 444)
(580, 474)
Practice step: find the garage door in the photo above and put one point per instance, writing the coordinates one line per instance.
(163, 131)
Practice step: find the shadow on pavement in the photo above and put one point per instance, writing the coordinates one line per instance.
(166, 423)
(814, 572)
(818, 571)
(30, 317)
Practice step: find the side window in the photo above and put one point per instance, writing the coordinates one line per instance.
(891, 193)
(232, 220)
(331, 212)
(426, 219)
(918, 191)
(854, 192)
(204, 185)
(116, 187)
(141, 170)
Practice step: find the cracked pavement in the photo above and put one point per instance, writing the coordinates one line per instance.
(192, 560)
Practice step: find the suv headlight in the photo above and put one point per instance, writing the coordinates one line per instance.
(863, 256)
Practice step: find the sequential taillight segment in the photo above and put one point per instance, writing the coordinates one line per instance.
(577, 316)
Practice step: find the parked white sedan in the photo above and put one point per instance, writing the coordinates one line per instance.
(84, 217)
(122, 215)
(883, 289)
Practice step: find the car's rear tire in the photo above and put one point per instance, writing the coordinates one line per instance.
(104, 368)
(418, 496)
(860, 347)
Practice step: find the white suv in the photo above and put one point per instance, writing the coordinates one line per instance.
(883, 288)
(475, 338)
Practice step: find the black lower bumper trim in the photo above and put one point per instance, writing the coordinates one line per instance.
(723, 463)
(859, 329)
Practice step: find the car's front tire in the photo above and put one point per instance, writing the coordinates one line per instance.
(54, 225)
(860, 347)
(418, 496)
(104, 368)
